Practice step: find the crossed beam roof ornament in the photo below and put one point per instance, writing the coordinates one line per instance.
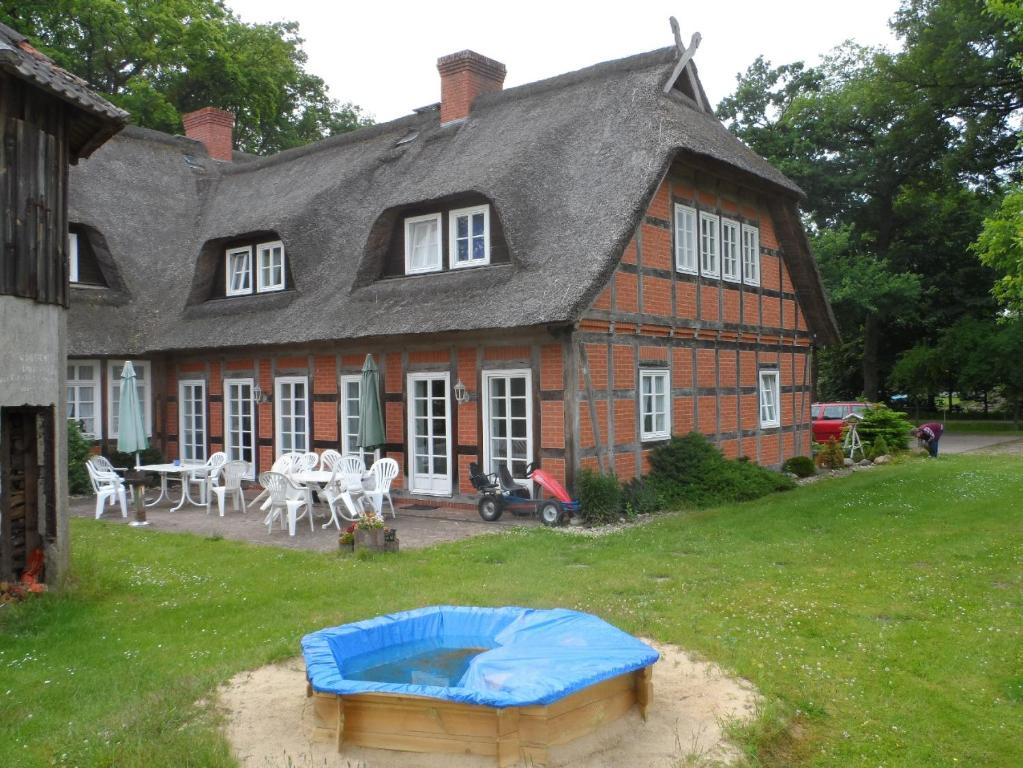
(685, 55)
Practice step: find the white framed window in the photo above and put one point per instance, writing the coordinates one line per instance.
(291, 407)
(143, 382)
(730, 250)
(508, 422)
(351, 390)
(654, 403)
(423, 244)
(83, 401)
(238, 271)
(72, 257)
(469, 236)
(750, 255)
(769, 397)
(270, 266)
(192, 420)
(239, 423)
(429, 433)
(709, 245)
(685, 239)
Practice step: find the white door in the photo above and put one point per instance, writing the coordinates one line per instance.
(429, 428)
(239, 429)
(507, 421)
(192, 423)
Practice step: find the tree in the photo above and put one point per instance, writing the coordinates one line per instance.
(161, 58)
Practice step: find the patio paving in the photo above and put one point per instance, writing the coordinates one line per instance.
(416, 528)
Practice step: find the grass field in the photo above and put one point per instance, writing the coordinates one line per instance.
(879, 615)
(982, 427)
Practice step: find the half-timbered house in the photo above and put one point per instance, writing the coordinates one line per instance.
(565, 272)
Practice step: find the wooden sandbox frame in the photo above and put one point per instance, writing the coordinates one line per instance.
(510, 735)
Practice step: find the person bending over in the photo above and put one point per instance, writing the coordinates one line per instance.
(929, 434)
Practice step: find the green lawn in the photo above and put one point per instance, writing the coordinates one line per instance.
(979, 426)
(880, 615)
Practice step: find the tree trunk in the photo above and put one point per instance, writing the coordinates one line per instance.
(871, 344)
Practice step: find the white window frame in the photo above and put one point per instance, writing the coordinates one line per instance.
(730, 246)
(485, 396)
(279, 383)
(770, 385)
(229, 271)
(253, 416)
(453, 217)
(654, 374)
(710, 244)
(346, 381)
(686, 240)
(446, 485)
(750, 255)
(439, 255)
(72, 257)
(97, 395)
(189, 449)
(262, 250)
(114, 381)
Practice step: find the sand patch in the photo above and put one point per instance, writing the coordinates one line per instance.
(270, 724)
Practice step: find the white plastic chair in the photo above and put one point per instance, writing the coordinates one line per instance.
(277, 486)
(205, 477)
(329, 458)
(307, 463)
(284, 465)
(102, 464)
(346, 472)
(108, 487)
(232, 472)
(383, 471)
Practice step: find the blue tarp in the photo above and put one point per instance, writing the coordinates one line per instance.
(535, 656)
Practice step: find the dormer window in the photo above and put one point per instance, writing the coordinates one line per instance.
(266, 273)
(470, 236)
(422, 244)
(270, 258)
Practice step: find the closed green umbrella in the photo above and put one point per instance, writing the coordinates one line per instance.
(371, 418)
(131, 432)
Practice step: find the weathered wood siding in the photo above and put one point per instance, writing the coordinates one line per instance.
(33, 188)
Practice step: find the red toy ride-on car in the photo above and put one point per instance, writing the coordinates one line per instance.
(500, 492)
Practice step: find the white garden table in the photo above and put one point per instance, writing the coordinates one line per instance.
(321, 477)
(167, 472)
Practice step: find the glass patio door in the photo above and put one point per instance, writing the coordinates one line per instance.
(507, 421)
(239, 429)
(429, 433)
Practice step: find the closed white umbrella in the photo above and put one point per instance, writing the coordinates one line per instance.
(131, 431)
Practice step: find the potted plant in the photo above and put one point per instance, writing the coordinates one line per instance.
(369, 533)
(346, 541)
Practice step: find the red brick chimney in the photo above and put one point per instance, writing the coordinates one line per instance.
(214, 128)
(464, 76)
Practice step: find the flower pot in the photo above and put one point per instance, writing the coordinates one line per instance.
(369, 538)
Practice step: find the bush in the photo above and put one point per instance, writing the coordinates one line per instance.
(640, 497)
(127, 460)
(880, 421)
(878, 448)
(800, 466)
(830, 455)
(78, 451)
(600, 497)
(690, 470)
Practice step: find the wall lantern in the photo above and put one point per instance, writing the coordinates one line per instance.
(461, 393)
(259, 395)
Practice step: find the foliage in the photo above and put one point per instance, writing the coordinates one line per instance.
(127, 460)
(863, 595)
(600, 497)
(691, 471)
(78, 451)
(830, 455)
(640, 497)
(902, 156)
(800, 466)
(1000, 246)
(161, 58)
(369, 522)
(878, 448)
(882, 423)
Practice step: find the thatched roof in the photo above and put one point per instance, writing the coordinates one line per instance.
(569, 165)
(97, 119)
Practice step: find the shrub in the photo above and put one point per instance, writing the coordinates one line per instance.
(690, 470)
(640, 497)
(127, 460)
(878, 448)
(830, 455)
(800, 466)
(880, 421)
(600, 497)
(78, 451)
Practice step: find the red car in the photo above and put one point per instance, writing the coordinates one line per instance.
(827, 419)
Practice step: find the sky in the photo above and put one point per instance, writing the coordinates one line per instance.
(383, 56)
